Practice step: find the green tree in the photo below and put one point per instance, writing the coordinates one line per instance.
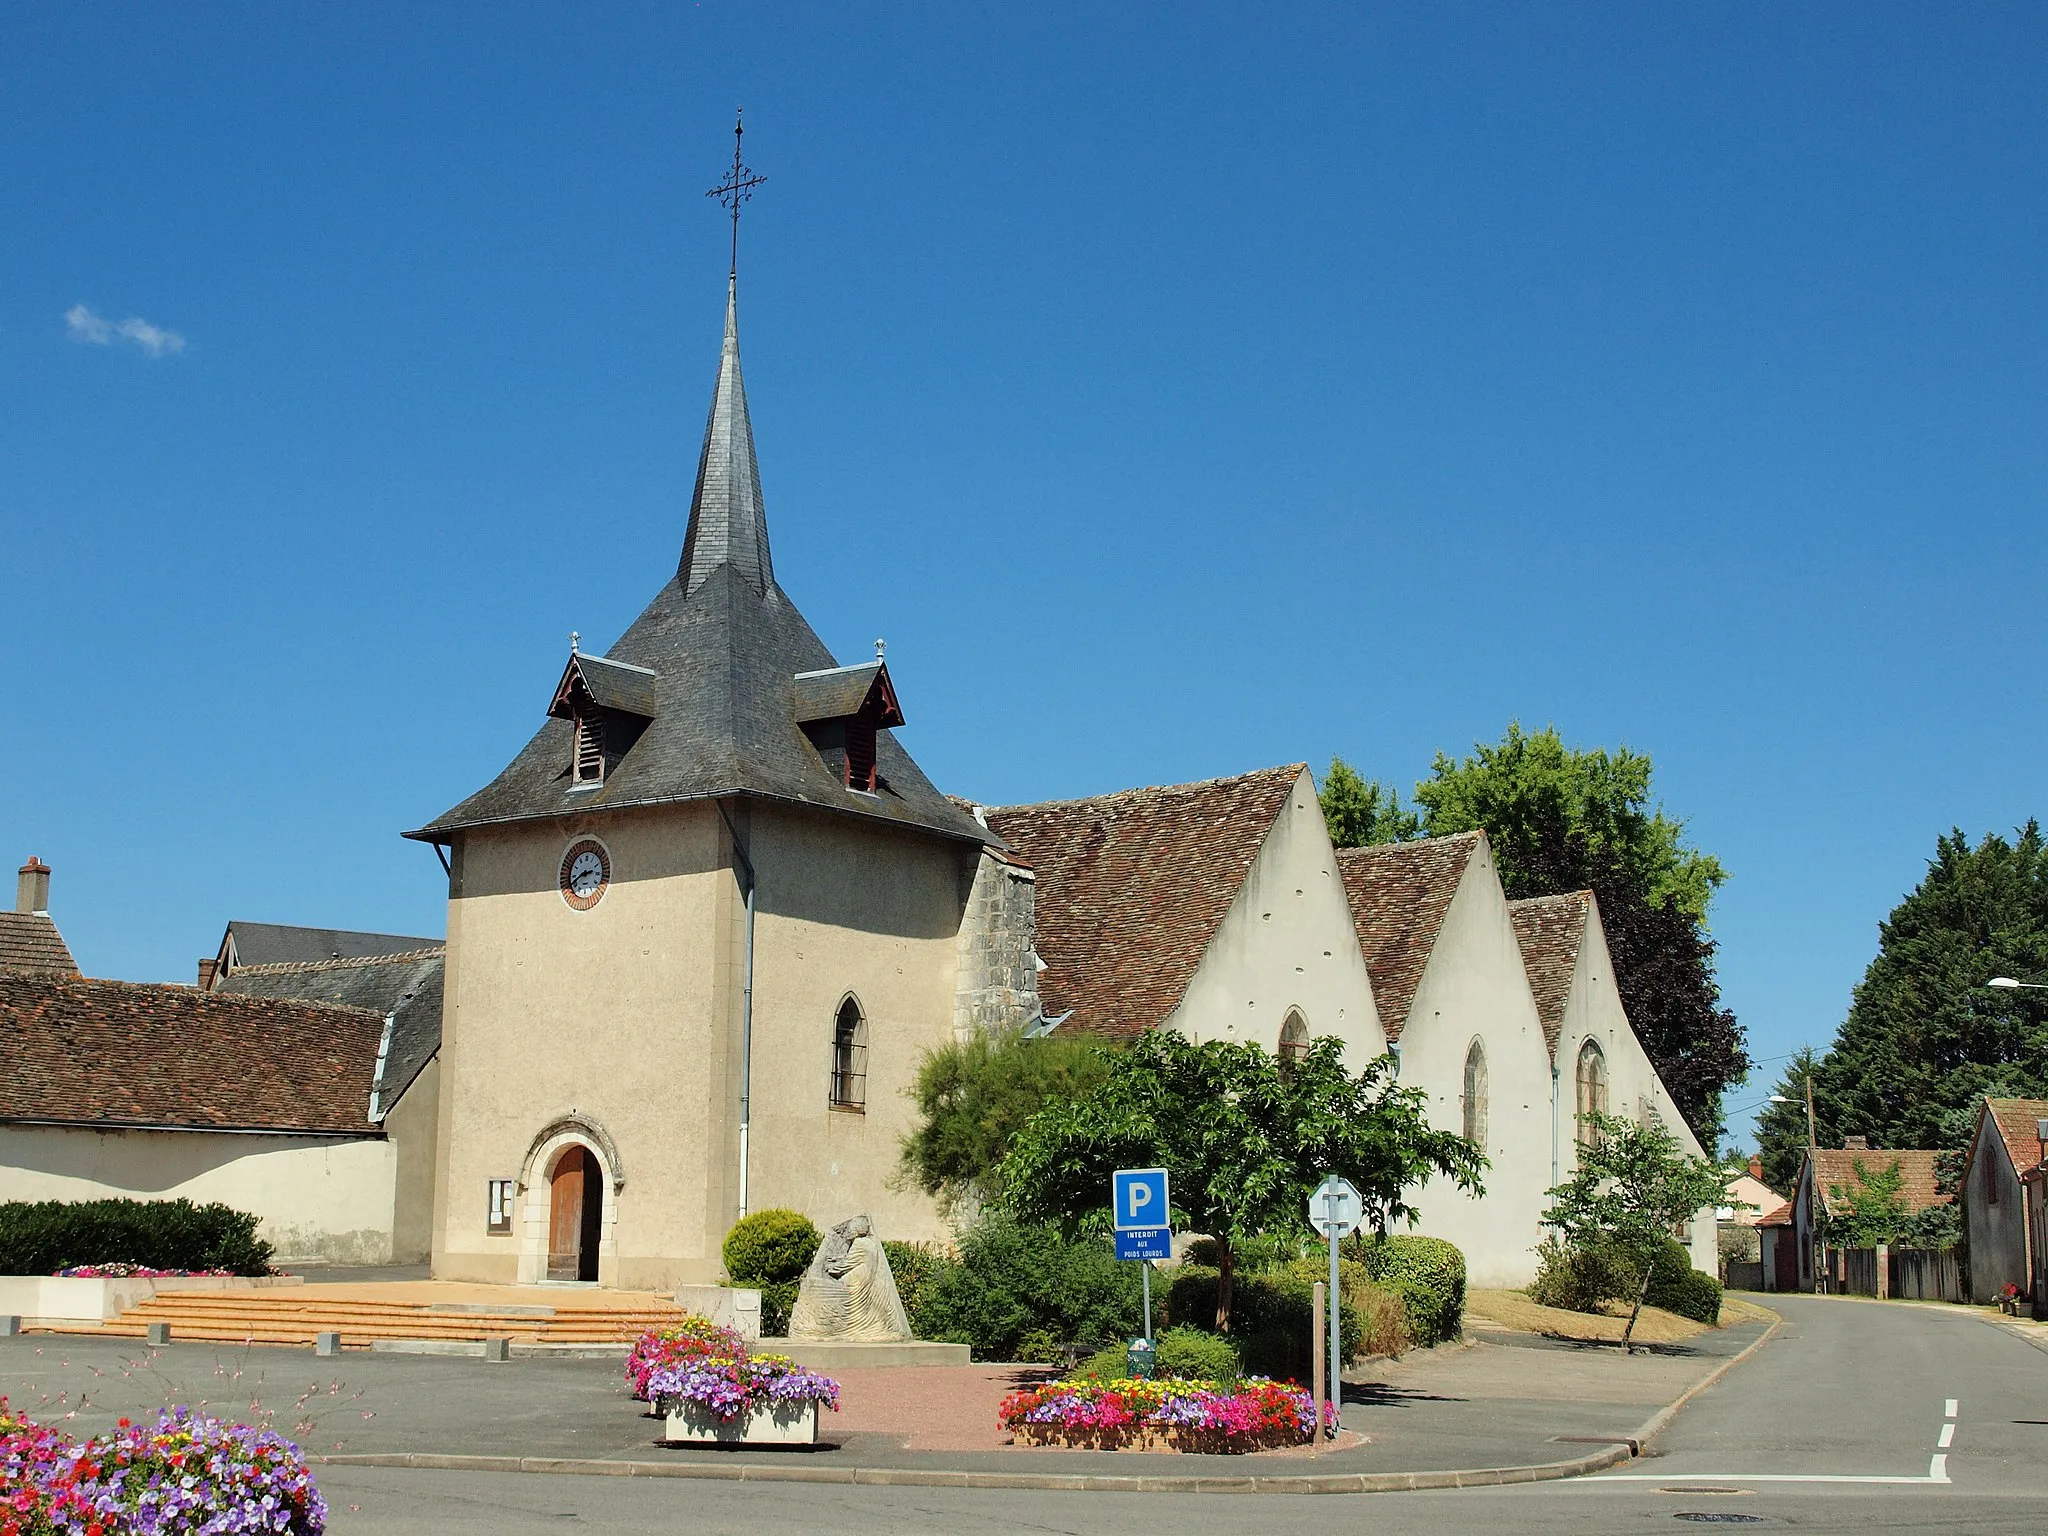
(1634, 1185)
(974, 1096)
(1361, 812)
(1562, 819)
(1925, 1039)
(1243, 1136)
(1781, 1128)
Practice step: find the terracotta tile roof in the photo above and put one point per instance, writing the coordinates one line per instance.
(1399, 894)
(1781, 1216)
(1550, 931)
(1917, 1190)
(1132, 887)
(2018, 1124)
(124, 1053)
(29, 941)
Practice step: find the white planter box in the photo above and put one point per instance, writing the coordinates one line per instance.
(775, 1424)
(48, 1297)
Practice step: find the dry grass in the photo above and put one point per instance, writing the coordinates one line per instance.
(1515, 1311)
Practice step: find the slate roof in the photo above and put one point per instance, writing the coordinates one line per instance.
(726, 644)
(1832, 1166)
(614, 684)
(836, 693)
(405, 986)
(1133, 886)
(1399, 894)
(122, 1053)
(29, 941)
(284, 944)
(1551, 931)
(2017, 1121)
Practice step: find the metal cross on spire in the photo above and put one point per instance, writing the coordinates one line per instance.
(736, 189)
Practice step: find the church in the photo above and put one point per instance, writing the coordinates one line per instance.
(704, 927)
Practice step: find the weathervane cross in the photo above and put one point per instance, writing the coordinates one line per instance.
(736, 189)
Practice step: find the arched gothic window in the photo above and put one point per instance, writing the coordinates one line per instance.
(1475, 1094)
(1293, 1039)
(1592, 1090)
(850, 1057)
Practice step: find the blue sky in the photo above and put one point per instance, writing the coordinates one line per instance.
(1178, 390)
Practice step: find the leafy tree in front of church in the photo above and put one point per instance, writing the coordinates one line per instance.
(1559, 819)
(1244, 1137)
(973, 1097)
(1925, 1039)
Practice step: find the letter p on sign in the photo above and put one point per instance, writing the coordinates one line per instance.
(1138, 1199)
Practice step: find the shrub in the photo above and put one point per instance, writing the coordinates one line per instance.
(1270, 1318)
(1382, 1315)
(1677, 1287)
(770, 1247)
(42, 1237)
(1190, 1354)
(1582, 1277)
(915, 1267)
(1428, 1274)
(1254, 1254)
(1019, 1291)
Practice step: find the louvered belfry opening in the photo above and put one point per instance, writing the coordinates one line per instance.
(850, 1058)
(589, 768)
(860, 754)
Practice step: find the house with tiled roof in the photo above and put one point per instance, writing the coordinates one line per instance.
(1454, 998)
(1595, 1058)
(1830, 1177)
(2008, 1141)
(269, 1104)
(29, 940)
(1213, 908)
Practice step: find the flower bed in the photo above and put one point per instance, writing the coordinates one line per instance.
(694, 1338)
(758, 1399)
(183, 1473)
(1137, 1415)
(135, 1272)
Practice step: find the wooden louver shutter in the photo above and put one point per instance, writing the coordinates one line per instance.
(590, 749)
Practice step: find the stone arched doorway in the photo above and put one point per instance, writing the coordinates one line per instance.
(575, 1214)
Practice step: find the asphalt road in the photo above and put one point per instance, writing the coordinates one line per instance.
(1835, 1425)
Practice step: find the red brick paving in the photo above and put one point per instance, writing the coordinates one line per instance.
(933, 1407)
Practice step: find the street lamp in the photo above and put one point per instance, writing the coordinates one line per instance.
(2007, 982)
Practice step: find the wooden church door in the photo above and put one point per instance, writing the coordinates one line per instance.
(575, 1209)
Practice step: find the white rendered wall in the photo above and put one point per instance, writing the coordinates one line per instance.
(1593, 1011)
(1287, 942)
(316, 1195)
(1475, 987)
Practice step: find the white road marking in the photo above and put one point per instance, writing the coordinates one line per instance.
(1937, 1472)
(1948, 1435)
(1951, 1411)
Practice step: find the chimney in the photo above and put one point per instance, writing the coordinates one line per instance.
(1855, 1143)
(1756, 1169)
(32, 890)
(206, 970)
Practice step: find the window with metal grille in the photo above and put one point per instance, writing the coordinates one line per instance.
(589, 749)
(850, 1058)
(1293, 1039)
(1475, 1094)
(1592, 1091)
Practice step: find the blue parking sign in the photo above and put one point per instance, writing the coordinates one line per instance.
(1137, 1199)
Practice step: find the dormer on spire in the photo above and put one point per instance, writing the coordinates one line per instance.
(727, 524)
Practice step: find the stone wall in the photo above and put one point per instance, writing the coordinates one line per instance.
(996, 986)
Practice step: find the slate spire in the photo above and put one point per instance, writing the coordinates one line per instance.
(727, 525)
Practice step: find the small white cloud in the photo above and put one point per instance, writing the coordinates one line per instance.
(96, 330)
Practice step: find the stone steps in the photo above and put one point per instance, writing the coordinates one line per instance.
(297, 1318)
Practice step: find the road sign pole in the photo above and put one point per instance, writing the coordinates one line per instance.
(1336, 1329)
(1145, 1269)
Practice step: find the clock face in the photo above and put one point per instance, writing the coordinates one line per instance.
(586, 872)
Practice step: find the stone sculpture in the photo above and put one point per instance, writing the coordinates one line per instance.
(848, 1294)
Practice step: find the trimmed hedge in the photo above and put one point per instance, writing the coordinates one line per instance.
(1677, 1287)
(1185, 1354)
(769, 1251)
(1429, 1276)
(1580, 1278)
(44, 1236)
(1270, 1318)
